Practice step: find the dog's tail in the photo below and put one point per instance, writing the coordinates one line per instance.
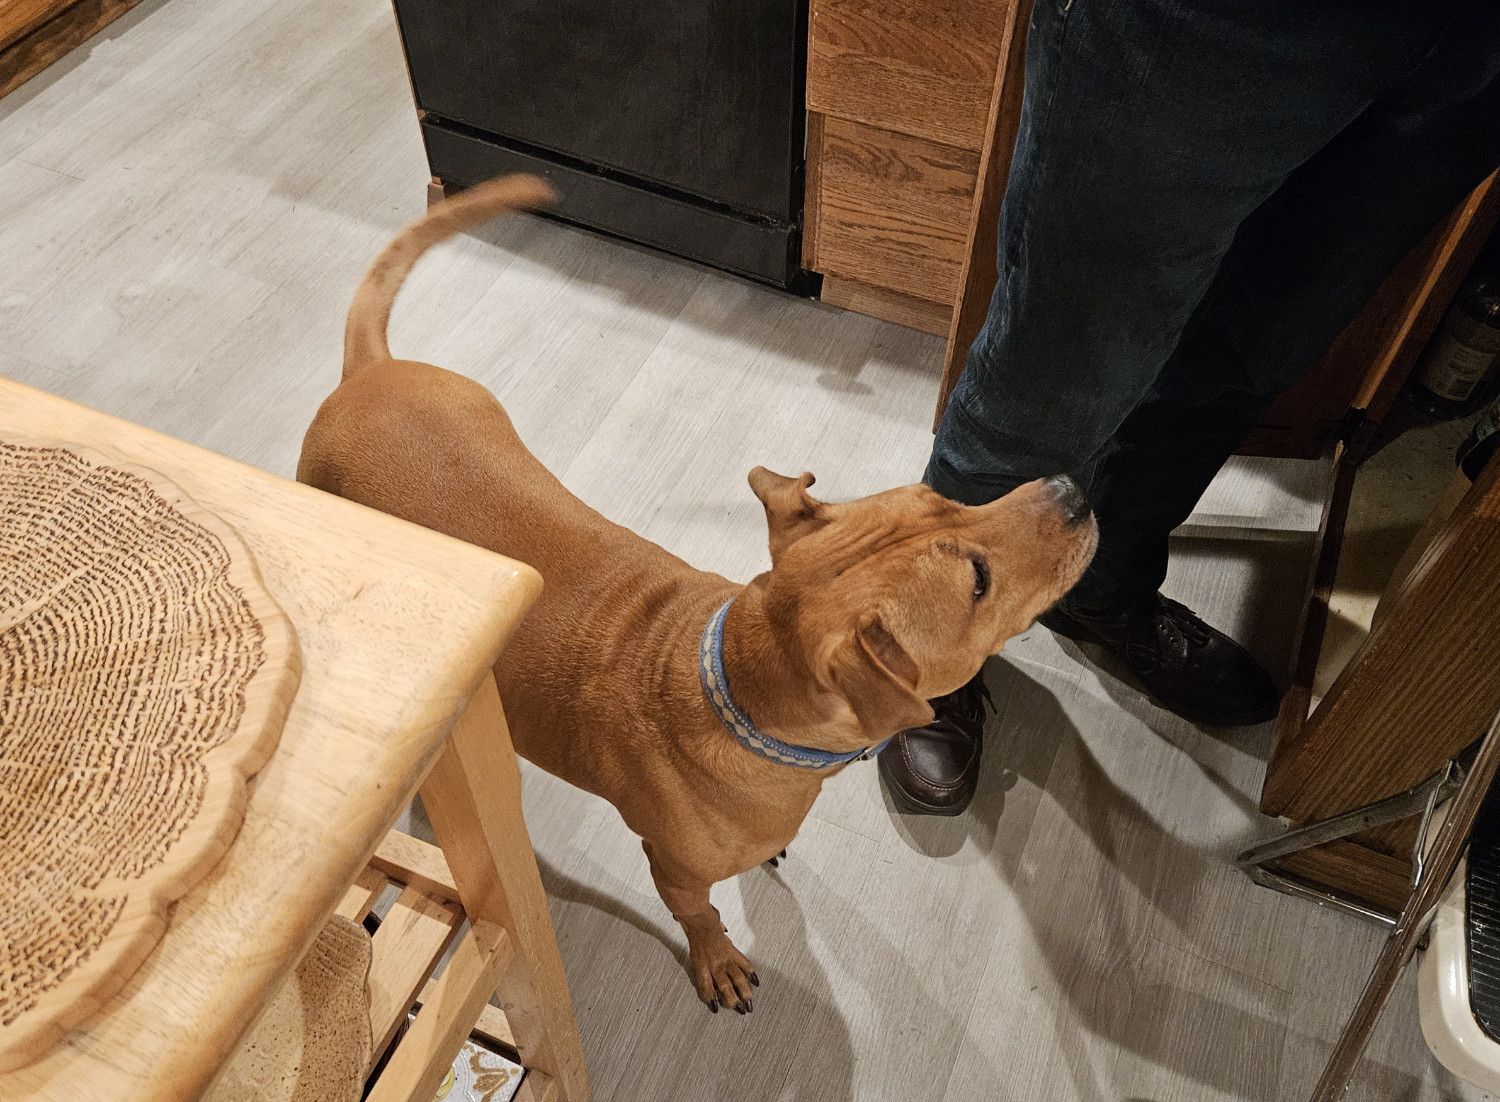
(370, 313)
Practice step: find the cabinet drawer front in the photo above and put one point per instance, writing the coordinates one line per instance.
(891, 210)
(921, 67)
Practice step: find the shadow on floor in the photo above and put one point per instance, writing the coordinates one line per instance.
(694, 1058)
(1092, 924)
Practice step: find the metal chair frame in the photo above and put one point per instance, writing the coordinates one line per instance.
(1432, 869)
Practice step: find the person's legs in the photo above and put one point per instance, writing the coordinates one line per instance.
(1300, 270)
(1151, 134)
(1150, 131)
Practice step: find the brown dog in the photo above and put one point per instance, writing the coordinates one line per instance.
(870, 608)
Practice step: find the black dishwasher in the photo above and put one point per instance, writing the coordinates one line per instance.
(678, 123)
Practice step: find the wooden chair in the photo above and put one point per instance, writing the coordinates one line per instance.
(1432, 880)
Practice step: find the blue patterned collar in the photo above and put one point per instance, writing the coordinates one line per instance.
(751, 737)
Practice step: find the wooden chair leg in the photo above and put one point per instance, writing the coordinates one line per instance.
(473, 797)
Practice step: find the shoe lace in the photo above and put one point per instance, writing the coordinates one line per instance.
(1186, 622)
(1173, 622)
(968, 702)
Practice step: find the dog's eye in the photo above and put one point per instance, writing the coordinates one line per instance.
(981, 577)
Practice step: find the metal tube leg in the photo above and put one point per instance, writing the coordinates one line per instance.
(1398, 949)
(1421, 798)
(1449, 846)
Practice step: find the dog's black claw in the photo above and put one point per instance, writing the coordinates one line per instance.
(738, 1009)
(783, 853)
(754, 980)
(749, 1006)
(773, 862)
(713, 1006)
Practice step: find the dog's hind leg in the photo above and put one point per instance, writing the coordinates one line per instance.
(722, 974)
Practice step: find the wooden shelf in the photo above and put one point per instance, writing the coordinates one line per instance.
(421, 925)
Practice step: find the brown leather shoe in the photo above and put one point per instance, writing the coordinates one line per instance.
(933, 770)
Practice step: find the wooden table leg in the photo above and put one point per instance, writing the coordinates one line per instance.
(473, 797)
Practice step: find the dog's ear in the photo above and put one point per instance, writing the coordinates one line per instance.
(791, 512)
(878, 678)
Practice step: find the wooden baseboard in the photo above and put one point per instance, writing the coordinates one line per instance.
(879, 302)
(29, 54)
(437, 191)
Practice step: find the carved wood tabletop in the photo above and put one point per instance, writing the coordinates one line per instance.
(145, 674)
(396, 625)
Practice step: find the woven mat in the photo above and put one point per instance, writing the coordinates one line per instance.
(313, 1042)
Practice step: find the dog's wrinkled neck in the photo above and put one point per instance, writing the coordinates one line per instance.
(773, 684)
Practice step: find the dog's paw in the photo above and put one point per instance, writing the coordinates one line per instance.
(776, 861)
(723, 976)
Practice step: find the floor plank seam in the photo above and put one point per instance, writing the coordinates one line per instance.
(44, 168)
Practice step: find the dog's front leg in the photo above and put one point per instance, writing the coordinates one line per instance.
(721, 973)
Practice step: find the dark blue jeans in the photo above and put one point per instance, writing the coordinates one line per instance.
(1204, 194)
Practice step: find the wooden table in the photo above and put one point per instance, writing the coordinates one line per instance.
(399, 628)
(1422, 686)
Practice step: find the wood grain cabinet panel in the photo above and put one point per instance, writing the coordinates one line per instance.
(892, 210)
(21, 17)
(919, 67)
(900, 95)
(35, 33)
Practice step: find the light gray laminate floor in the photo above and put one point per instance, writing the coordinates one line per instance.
(186, 205)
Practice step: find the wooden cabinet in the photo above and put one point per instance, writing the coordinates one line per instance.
(899, 97)
(919, 67)
(35, 33)
(893, 209)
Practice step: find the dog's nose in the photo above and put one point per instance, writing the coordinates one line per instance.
(1070, 498)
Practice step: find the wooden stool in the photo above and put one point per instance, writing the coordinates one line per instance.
(399, 628)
